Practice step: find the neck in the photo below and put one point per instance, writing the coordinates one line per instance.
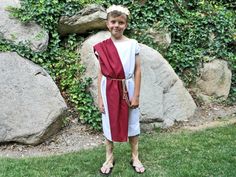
(118, 39)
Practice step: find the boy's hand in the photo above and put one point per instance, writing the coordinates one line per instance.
(134, 102)
(101, 105)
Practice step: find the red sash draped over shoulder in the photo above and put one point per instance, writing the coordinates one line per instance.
(111, 68)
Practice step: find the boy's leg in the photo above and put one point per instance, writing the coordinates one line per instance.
(108, 164)
(109, 151)
(134, 151)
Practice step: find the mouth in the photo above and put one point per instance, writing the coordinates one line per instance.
(116, 29)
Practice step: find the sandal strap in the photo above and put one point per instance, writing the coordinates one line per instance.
(137, 164)
(108, 164)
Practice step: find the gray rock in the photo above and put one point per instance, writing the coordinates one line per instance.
(6, 3)
(31, 104)
(215, 79)
(163, 96)
(12, 29)
(149, 127)
(161, 37)
(91, 18)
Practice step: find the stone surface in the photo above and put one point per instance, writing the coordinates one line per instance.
(13, 30)
(163, 96)
(91, 18)
(215, 79)
(31, 104)
(161, 37)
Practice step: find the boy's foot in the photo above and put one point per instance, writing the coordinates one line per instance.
(106, 168)
(137, 166)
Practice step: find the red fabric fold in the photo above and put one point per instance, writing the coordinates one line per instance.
(111, 68)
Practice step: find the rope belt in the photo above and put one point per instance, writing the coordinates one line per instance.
(125, 92)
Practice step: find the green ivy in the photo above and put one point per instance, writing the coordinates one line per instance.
(69, 74)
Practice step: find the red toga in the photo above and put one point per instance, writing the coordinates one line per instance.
(112, 69)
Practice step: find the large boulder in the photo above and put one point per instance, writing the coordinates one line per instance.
(90, 18)
(31, 104)
(163, 96)
(214, 80)
(30, 34)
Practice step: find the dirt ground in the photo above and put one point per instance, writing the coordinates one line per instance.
(76, 136)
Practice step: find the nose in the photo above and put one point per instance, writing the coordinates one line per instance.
(116, 24)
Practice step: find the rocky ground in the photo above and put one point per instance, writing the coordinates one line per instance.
(76, 136)
(73, 137)
(210, 116)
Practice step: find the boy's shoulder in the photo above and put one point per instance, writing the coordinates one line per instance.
(131, 39)
(101, 42)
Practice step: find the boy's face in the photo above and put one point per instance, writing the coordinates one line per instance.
(117, 25)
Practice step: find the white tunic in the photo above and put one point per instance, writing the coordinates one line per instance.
(127, 50)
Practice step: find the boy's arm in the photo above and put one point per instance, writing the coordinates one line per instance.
(100, 102)
(137, 82)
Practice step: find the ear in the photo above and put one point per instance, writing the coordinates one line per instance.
(107, 23)
(126, 25)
